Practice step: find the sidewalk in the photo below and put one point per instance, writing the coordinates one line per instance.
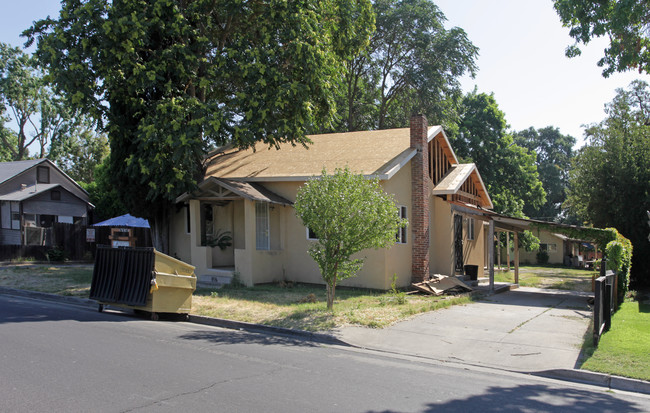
(527, 330)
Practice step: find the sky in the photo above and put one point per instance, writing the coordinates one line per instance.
(521, 60)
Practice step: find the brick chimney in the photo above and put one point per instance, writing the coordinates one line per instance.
(419, 221)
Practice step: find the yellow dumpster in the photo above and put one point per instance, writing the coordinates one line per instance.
(142, 279)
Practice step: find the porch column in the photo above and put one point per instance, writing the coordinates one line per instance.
(491, 254)
(499, 249)
(516, 257)
(507, 251)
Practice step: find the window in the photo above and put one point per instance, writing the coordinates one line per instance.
(15, 215)
(187, 218)
(65, 219)
(42, 174)
(262, 239)
(401, 232)
(311, 235)
(470, 228)
(548, 247)
(55, 195)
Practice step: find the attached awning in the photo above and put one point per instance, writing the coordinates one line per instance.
(220, 189)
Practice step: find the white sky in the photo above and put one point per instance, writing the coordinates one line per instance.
(521, 59)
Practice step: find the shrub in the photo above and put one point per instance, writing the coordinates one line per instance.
(542, 257)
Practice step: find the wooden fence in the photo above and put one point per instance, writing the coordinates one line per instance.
(71, 240)
(604, 301)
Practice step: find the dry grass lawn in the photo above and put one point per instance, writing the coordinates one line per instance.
(56, 279)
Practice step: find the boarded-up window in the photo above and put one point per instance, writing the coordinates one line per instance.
(262, 239)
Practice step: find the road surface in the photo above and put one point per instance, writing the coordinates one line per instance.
(64, 358)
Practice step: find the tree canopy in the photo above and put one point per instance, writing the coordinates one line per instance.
(168, 79)
(411, 65)
(347, 213)
(624, 22)
(508, 170)
(38, 114)
(609, 183)
(554, 152)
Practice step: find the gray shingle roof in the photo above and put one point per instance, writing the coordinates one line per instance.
(10, 169)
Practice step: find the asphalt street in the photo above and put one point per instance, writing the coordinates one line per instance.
(64, 358)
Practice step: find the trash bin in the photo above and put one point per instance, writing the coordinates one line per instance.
(472, 272)
(142, 279)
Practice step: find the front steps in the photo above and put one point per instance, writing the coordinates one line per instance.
(215, 277)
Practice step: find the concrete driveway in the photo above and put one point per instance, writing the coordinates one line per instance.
(527, 330)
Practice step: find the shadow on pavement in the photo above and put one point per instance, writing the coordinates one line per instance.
(229, 337)
(559, 299)
(536, 398)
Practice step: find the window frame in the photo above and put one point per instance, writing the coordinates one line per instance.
(471, 229)
(401, 237)
(262, 226)
(40, 178)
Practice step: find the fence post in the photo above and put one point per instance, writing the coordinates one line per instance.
(607, 304)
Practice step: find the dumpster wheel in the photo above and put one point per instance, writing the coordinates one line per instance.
(154, 316)
(100, 308)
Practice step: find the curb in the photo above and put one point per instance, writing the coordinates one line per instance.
(86, 302)
(597, 379)
(195, 319)
(259, 328)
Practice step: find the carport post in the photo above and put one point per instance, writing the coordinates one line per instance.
(491, 254)
(516, 258)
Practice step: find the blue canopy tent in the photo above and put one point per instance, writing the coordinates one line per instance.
(126, 220)
(125, 231)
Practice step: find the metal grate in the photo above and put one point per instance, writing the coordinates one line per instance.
(122, 275)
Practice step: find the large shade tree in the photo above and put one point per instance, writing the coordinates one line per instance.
(508, 170)
(35, 113)
(168, 79)
(412, 65)
(554, 152)
(610, 178)
(623, 22)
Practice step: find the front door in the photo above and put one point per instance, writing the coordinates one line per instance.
(458, 243)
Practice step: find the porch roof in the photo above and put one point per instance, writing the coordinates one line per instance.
(230, 189)
(28, 192)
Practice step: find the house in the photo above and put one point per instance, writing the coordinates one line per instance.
(34, 195)
(561, 249)
(248, 194)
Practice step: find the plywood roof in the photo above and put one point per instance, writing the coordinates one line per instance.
(379, 153)
(457, 175)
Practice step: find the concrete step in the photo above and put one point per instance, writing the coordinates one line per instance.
(216, 278)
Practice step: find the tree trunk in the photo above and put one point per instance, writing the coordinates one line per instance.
(160, 230)
(330, 295)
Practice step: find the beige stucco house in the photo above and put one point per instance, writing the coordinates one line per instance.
(249, 193)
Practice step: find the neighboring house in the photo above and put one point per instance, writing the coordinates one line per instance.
(35, 194)
(249, 194)
(561, 249)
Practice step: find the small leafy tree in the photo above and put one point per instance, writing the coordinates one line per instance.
(348, 213)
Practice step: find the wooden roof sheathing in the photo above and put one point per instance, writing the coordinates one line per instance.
(379, 153)
(458, 174)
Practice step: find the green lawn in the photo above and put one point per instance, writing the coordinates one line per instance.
(624, 350)
(553, 277)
